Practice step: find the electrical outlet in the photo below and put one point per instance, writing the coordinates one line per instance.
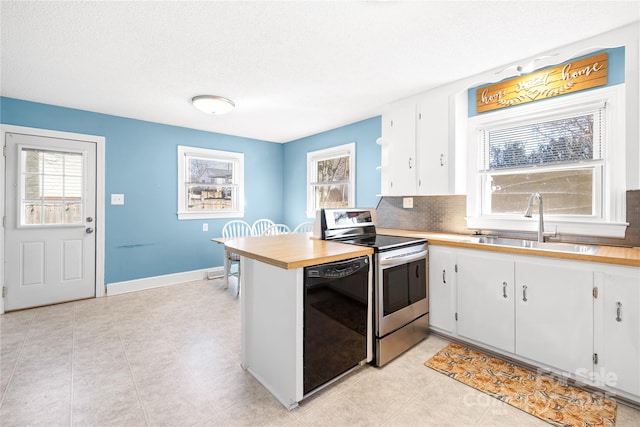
(407, 202)
(117, 199)
(205, 227)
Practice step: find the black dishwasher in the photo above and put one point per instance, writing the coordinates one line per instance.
(336, 301)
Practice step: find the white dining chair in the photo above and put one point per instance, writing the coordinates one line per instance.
(235, 228)
(304, 227)
(260, 225)
(276, 229)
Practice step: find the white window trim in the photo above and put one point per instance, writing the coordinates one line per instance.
(613, 222)
(327, 153)
(183, 151)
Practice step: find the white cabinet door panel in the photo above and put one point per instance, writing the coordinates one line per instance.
(442, 281)
(402, 150)
(554, 315)
(433, 144)
(485, 299)
(620, 363)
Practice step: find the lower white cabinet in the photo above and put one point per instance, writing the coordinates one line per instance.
(442, 289)
(619, 319)
(579, 319)
(554, 314)
(485, 299)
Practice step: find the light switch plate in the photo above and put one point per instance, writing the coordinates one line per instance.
(117, 199)
(407, 202)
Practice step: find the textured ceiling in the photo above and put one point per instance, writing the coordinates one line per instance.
(293, 68)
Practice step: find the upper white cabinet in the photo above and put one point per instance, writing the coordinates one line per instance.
(415, 146)
(433, 144)
(399, 150)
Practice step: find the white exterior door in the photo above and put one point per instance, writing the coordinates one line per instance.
(50, 239)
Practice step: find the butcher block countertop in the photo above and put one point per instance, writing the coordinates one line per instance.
(291, 251)
(606, 254)
(298, 250)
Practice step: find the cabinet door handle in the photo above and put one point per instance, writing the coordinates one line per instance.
(441, 159)
(524, 293)
(619, 311)
(504, 289)
(444, 276)
(410, 162)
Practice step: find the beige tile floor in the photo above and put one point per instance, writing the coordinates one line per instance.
(171, 357)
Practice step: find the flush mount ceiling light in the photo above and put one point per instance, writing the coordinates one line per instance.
(212, 104)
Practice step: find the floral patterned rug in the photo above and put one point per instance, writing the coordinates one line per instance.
(550, 399)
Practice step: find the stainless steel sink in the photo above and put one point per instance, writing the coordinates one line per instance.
(548, 246)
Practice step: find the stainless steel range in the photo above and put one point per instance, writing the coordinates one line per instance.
(400, 276)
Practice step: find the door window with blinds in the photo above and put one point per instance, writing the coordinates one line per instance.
(210, 183)
(561, 158)
(51, 187)
(331, 178)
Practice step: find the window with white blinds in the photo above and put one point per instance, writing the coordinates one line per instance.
(570, 149)
(563, 140)
(559, 157)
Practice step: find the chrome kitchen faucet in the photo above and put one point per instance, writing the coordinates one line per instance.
(528, 214)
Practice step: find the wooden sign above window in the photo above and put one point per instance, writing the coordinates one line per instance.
(562, 79)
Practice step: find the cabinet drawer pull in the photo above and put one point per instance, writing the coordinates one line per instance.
(524, 293)
(504, 289)
(444, 276)
(619, 311)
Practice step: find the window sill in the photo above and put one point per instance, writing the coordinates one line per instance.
(209, 215)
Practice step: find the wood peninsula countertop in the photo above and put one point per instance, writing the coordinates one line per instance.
(298, 250)
(605, 254)
(293, 250)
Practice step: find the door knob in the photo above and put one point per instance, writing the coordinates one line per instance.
(89, 230)
(89, 219)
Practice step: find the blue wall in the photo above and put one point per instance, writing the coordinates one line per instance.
(364, 134)
(143, 238)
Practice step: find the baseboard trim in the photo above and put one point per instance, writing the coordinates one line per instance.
(165, 280)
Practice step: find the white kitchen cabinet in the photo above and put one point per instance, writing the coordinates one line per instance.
(433, 144)
(272, 339)
(579, 319)
(619, 319)
(415, 146)
(399, 150)
(442, 289)
(485, 298)
(554, 314)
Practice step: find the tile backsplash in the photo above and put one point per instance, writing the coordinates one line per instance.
(446, 214)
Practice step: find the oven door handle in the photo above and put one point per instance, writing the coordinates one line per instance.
(403, 259)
